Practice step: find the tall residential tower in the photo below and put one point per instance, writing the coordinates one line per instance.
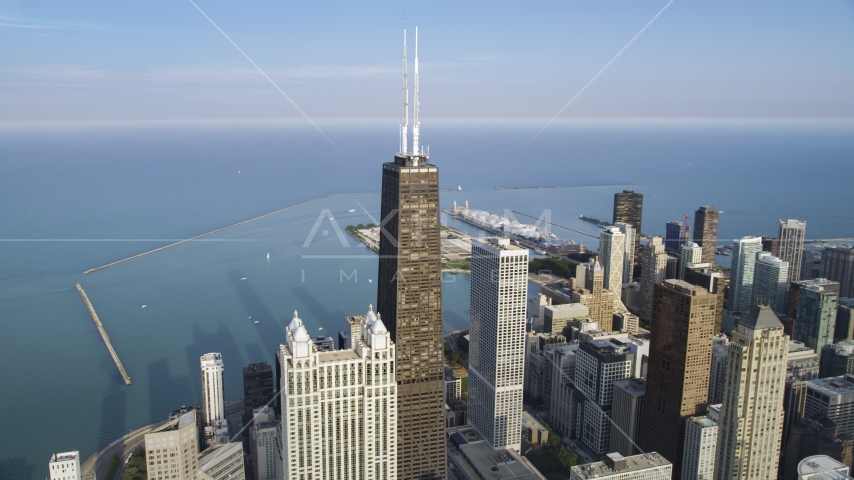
(790, 246)
(751, 421)
(706, 232)
(499, 292)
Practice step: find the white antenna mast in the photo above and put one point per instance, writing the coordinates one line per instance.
(415, 124)
(404, 128)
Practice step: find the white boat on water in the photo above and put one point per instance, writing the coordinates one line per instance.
(459, 188)
(321, 328)
(144, 306)
(370, 281)
(257, 322)
(351, 211)
(244, 278)
(268, 256)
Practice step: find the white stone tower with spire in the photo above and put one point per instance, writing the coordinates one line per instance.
(338, 407)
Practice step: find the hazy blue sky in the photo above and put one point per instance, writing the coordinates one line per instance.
(161, 60)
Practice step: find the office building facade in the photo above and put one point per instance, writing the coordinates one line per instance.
(837, 359)
(701, 442)
(790, 247)
(832, 397)
(222, 462)
(265, 445)
(499, 292)
(172, 449)
(706, 232)
(815, 321)
(409, 297)
(837, 264)
(744, 252)
(647, 466)
(751, 417)
(653, 265)
(64, 466)
(612, 250)
(631, 246)
(770, 282)
(690, 253)
(562, 404)
(678, 375)
(676, 234)
(600, 363)
(717, 373)
(258, 388)
(626, 415)
(338, 408)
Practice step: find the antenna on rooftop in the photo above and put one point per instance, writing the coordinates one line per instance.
(404, 128)
(415, 123)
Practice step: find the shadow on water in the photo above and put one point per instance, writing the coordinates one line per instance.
(162, 388)
(16, 468)
(251, 301)
(316, 308)
(113, 413)
(255, 354)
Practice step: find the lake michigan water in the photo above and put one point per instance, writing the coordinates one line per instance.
(76, 197)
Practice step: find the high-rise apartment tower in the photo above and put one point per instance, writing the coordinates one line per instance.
(751, 423)
(744, 252)
(706, 232)
(499, 293)
(790, 246)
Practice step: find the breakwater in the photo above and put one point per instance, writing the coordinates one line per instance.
(104, 335)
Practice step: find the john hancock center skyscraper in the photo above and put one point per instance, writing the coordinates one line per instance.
(409, 297)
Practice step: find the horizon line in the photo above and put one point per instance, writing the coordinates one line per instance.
(437, 120)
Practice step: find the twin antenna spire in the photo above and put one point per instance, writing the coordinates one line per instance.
(404, 128)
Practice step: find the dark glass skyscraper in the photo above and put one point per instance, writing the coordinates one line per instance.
(409, 300)
(676, 234)
(628, 208)
(257, 387)
(706, 232)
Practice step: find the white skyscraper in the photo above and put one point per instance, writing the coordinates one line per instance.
(653, 269)
(499, 292)
(339, 408)
(631, 244)
(790, 246)
(612, 251)
(264, 441)
(216, 427)
(770, 282)
(690, 253)
(212, 390)
(751, 418)
(744, 252)
(65, 466)
(701, 442)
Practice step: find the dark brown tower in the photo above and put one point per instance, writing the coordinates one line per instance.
(677, 381)
(628, 208)
(706, 232)
(409, 299)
